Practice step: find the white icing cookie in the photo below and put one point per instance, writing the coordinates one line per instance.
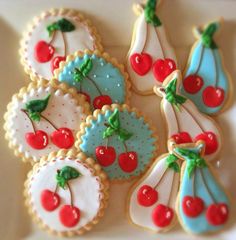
(52, 36)
(151, 201)
(150, 58)
(66, 193)
(184, 121)
(42, 118)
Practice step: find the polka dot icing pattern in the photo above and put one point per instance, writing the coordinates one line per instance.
(106, 78)
(141, 144)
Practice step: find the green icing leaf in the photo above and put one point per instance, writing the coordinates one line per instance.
(65, 174)
(207, 35)
(171, 95)
(77, 75)
(63, 25)
(114, 120)
(124, 135)
(35, 107)
(108, 132)
(171, 162)
(86, 67)
(150, 13)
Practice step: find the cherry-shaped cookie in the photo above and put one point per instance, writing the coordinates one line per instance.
(120, 139)
(56, 34)
(185, 123)
(151, 200)
(202, 205)
(66, 192)
(44, 117)
(97, 75)
(206, 81)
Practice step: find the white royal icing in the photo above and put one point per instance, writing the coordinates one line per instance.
(167, 189)
(62, 110)
(78, 39)
(153, 41)
(192, 124)
(85, 189)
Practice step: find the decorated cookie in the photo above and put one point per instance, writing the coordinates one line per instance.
(206, 81)
(151, 200)
(151, 58)
(44, 117)
(66, 193)
(202, 205)
(51, 37)
(96, 75)
(184, 121)
(120, 140)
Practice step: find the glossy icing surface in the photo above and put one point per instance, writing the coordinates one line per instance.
(85, 189)
(141, 142)
(107, 77)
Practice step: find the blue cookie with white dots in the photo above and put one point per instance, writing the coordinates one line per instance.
(96, 75)
(120, 139)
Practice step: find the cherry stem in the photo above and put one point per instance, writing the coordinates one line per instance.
(176, 118)
(206, 186)
(162, 177)
(200, 60)
(53, 37)
(158, 39)
(172, 183)
(216, 69)
(107, 141)
(71, 195)
(48, 121)
(125, 146)
(95, 84)
(65, 45)
(56, 188)
(32, 123)
(193, 183)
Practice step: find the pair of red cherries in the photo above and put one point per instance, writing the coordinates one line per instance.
(106, 156)
(69, 215)
(61, 137)
(142, 64)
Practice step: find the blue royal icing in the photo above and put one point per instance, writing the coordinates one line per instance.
(207, 72)
(199, 224)
(141, 142)
(108, 78)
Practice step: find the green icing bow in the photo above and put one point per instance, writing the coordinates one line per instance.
(150, 13)
(35, 107)
(171, 95)
(207, 35)
(63, 25)
(196, 161)
(80, 73)
(114, 128)
(65, 174)
(171, 162)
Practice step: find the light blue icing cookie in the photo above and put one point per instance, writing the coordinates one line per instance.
(210, 68)
(199, 225)
(108, 78)
(142, 142)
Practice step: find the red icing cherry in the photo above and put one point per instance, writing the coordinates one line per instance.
(49, 200)
(162, 215)
(182, 137)
(193, 83)
(37, 140)
(192, 206)
(210, 140)
(147, 196)
(87, 97)
(102, 100)
(63, 138)
(162, 68)
(69, 215)
(128, 161)
(213, 96)
(43, 51)
(141, 63)
(105, 155)
(56, 61)
(217, 214)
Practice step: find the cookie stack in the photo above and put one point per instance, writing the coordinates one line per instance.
(74, 123)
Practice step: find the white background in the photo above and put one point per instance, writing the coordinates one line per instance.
(114, 20)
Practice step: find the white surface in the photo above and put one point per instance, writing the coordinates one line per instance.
(114, 20)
